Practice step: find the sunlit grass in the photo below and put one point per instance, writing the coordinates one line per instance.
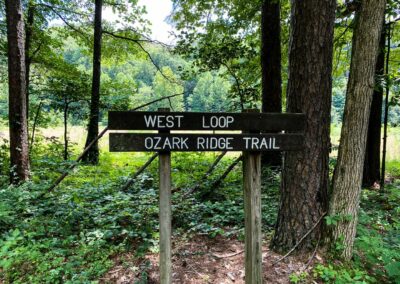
(128, 162)
(393, 142)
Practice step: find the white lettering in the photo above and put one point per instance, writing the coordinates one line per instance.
(254, 143)
(200, 142)
(150, 120)
(148, 143)
(214, 143)
(158, 139)
(264, 144)
(204, 123)
(214, 121)
(163, 121)
(274, 146)
(229, 120)
(228, 143)
(160, 121)
(167, 143)
(217, 122)
(179, 117)
(247, 140)
(175, 142)
(170, 121)
(183, 143)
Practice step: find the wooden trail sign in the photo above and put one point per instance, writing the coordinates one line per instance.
(132, 142)
(251, 142)
(142, 120)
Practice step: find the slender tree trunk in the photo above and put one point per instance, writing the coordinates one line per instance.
(28, 43)
(35, 123)
(66, 105)
(271, 67)
(347, 178)
(92, 155)
(305, 173)
(385, 120)
(371, 172)
(19, 149)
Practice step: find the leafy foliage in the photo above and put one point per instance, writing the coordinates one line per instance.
(71, 234)
(377, 256)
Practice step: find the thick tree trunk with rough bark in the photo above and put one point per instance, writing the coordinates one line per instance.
(28, 43)
(347, 178)
(305, 173)
(271, 67)
(372, 165)
(19, 150)
(92, 156)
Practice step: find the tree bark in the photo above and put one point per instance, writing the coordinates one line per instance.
(66, 107)
(371, 172)
(19, 150)
(28, 43)
(271, 67)
(92, 156)
(306, 173)
(386, 116)
(347, 177)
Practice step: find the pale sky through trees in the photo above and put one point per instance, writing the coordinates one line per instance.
(157, 12)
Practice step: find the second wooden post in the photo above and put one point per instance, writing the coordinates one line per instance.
(252, 213)
(165, 215)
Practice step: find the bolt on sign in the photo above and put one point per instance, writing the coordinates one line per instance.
(261, 132)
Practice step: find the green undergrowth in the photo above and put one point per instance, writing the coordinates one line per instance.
(71, 234)
(393, 168)
(377, 246)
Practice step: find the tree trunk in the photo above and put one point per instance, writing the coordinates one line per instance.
(92, 155)
(306, 173)
(35, 123)
(385, 120)
(19, 150)
(371, 172)
(28, 43)
(271, 67)
(66, 105)
(347, 178)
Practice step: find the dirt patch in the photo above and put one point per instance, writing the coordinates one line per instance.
(204, 260)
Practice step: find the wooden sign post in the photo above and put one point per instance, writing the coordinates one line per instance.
(165, 214)
(251, 143)
(252, 216)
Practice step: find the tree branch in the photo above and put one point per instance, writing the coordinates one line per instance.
(68, 24)
(138, 172)
(237, 81)
(139, 43)
(301, 240)
(52, 7)
(392, 22)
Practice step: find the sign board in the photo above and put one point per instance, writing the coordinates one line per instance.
(133, 142)
(251, 144)
(137, 120)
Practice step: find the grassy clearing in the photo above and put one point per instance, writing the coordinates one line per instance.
(393, 142)
(393, 168)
